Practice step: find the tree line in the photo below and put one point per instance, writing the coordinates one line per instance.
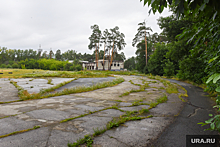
(32, 59)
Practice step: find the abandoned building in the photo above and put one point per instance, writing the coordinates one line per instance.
(116, 65)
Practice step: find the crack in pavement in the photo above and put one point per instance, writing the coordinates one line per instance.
(194, 112)
(117, 140)
(189, 103)
(50, 129)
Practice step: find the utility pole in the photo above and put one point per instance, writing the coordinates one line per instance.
(39, 50)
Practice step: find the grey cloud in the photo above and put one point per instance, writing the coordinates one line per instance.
(65, 24)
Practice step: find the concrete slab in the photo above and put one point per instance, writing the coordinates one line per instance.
(60, 138)
(34, 138)
(85, 82)
(171, 108)
(8, 92)
(12, 124)
(48, 114)
(135, 108)
(35, 85)
(135, 133)
(108, 141)
(109, 113)
(125, 104)
(89, 108)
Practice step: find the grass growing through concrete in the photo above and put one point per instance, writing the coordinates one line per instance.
(24, 95)
(162, 99)
(142, 88)
(86, 140)
(116, 122)
(49, 81)
(17, 132)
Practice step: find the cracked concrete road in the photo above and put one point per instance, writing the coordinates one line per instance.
(47, 113)
(197, 109)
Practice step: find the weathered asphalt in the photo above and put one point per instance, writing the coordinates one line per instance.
(196, 110)
(85, 82)
(47, 113)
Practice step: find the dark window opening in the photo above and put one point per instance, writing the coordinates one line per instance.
(114, 64)
(92, 67)
(118, 64)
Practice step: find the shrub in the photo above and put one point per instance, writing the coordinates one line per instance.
(15, 65)
(169, 68)
(8, 66)
(3, 66)
(78, 67)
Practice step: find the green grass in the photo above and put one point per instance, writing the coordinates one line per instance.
(86, 140)
(142, 88)
(49, 81)
(162, 99)
(98, 131)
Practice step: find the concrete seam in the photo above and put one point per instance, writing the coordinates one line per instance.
(117, 140)
(49, 136)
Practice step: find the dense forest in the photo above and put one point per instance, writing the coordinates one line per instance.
(192, 49)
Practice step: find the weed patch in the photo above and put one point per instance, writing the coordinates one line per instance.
(98, 131)
(86, 140)
(162, 99)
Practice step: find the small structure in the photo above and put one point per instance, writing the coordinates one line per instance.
(116, 65)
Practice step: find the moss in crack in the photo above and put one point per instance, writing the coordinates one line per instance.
(17, 132)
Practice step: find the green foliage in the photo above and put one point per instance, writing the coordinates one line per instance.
(169, 69)
(3, 66)
(141, 55)
(156, 62)
(15, 65)
(23, 66)
(172, 26)
(192, 68)
(86, 140)
(48, 64)
(8, 66)
(129, 64)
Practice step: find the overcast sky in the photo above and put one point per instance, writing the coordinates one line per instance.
(65, 24)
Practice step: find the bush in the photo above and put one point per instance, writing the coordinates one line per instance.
(53, 67)
(78, 67)
(146, 70)
(156, 61)
(15, 65)
(8, 66)
(67, 66)
(169, 68)
(23, 66)
(3, 66)
(192, 69)
(72, 68)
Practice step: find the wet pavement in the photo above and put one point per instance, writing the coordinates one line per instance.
(197, 109)
(47, 113)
